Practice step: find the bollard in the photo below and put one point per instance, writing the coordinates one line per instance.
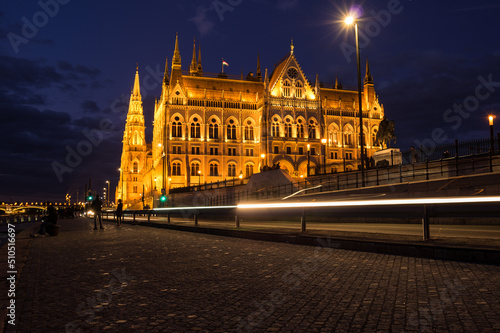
(168, 218)
(149, 217)
(425, 223)
(196, 219)
(236, 221)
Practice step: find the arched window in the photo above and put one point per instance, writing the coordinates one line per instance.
(231, 170)
(214, 169)
(288, 128)
(135, 167)
(248, 170)
(136, 139)
(231, 130)
(275, 128)
(176, 169)
(300, 129)
(299, 89)
(348, 136)
(312, 129)
(195, 167)
(176, 128)
(195, 129)
(374, 137)
(286, 88)
(249, 131)
(213, 129)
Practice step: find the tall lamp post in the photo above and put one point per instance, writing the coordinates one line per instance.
(199, 179)
(121, 178)
(323, 141)
(492, 139)
(350, 21)
(308, 159)
(107, 193)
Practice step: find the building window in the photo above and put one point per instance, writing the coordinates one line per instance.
(195, 167)
(312, 130)
(276, 150)
(248, 170)
(301, 150)
(249, 131)
(214, 169)
(275, 128)
(176, 169)
(348, 138)
(300, 129)
(134, 179)
(195, 150)
(298, 89)
(313, 151)
(176, 128)
(249, 151)
(288, 150)
(231, 130)
(288, 129)
(213, 130)
(334, 155)
(214, 151)
(195, 129)
(286, 88)
(348, 156)
(231, 170)
(231, 151)
(134, 189)
(135, 167)
(176, 149)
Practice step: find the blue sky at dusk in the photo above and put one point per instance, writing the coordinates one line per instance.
(67, 68)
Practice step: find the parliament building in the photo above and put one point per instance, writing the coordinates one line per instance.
(213, 127)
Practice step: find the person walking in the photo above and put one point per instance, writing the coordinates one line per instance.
(97, 207)
(119, 212)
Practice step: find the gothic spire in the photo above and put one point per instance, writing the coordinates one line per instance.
(200, 68)
(368, 77)
(165, 76)
(136, 91)
(194, 64)
(259, 73)
(336, 83)
(291, 47)
(176, 61)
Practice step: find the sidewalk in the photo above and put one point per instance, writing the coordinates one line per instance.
(136, 278)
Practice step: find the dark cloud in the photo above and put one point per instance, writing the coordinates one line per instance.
(90, 106)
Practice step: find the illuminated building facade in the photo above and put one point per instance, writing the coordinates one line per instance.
(208, 128)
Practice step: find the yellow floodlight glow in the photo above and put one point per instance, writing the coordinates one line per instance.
(389, 202)
(490, 118)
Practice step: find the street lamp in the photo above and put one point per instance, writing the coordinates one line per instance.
(323, 141)
(199, 178)
(350, 20)
(107, 193)
(308, 158)
(263, 156)
(492, 140)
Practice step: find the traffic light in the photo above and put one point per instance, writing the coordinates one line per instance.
(90, 197)
(163, 197)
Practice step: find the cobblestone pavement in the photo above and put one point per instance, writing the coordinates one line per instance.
(140, 279)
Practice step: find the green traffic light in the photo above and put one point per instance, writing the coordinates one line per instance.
(163, 198)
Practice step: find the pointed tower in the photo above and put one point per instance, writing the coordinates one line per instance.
(193, 69)
(258, 72)
(165, 75)
(176, 74)
(200, 67)
(133, 159)
(369, 90)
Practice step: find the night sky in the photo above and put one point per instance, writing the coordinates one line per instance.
(67, 69)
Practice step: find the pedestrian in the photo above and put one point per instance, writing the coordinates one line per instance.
(49, 220)
(97, 207)
(119, 212)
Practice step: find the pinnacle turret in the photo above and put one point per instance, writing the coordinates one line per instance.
(200, 68)
(136, 90)
(176, 60)
(193, 69)
(259, 73)
(165, 75)
(368, 76)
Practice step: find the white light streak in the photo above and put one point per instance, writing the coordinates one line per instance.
(388, 202)
(191, 208)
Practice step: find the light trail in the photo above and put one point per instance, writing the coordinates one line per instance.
(192, 208)
(388, 202)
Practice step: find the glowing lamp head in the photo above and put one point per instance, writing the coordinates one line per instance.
(349, 20)
(490, 118)
(262, 156)
(323, 141)
(199, 172)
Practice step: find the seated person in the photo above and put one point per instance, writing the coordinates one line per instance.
(49, 220)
